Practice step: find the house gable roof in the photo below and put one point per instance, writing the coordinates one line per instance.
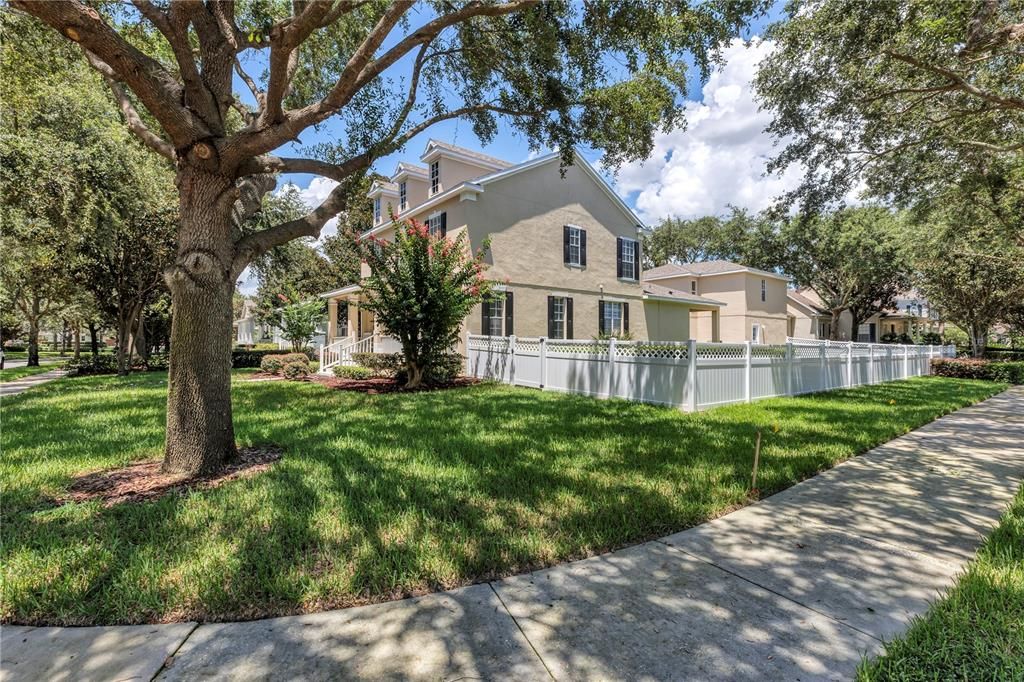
(437, 148)
(705, 269)
(659, 292)
(808, 304)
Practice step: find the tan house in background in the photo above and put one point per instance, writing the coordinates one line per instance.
(911, 313)
(754, 300)
(566, 247)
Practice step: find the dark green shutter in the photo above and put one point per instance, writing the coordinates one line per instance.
(485, 328)
(551, 317)
(508, 314)
(600, 317)
(618, 257)
(625, 317)
(636, 259)
(444, 224)
(565, 244)
(568, 318)
(583, 248)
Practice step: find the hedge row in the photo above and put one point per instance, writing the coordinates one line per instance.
(973, 368)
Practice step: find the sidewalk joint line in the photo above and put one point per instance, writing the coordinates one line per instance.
(768, 589)
(170, 657)
(521, 631)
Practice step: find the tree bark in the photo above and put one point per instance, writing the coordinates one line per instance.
(78, 341)
(200, 434)
(33, 335)
(979, 339)
(833, 332)
(94, 342)
(122, 343)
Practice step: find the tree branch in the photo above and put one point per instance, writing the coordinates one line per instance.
(958, 80)
(285, 37)
(155, 87)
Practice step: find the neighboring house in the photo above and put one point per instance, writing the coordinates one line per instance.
(564, 245)
(249, 330)
(910, 314)
(754, 300)
(807, 317)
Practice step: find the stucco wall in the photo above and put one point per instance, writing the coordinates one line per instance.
(416, 190)
(741, 293)
(454, 172)
(666, 321)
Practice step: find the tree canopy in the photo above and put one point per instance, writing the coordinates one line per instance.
(903, 95)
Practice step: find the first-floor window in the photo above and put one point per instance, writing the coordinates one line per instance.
(614, 318)
(437, 225)
(755, 333)
(496, 315)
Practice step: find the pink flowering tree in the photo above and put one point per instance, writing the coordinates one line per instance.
(420, 289)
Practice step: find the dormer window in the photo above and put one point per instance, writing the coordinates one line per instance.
(376, 211)
(403, 200)
(435, 176)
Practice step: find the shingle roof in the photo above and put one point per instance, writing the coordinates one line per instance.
(702, 268)
(805, 301)
(681, 296)
(468, 152)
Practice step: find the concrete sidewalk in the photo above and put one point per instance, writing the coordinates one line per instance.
(16, 386)
(796, 587)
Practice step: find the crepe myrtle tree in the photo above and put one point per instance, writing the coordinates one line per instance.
(420, 289)
(297, 319)
(606, 74)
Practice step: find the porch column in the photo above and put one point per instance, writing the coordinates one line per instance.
(716, 332)
(332, 320)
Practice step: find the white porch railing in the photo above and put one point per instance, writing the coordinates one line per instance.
(691, 375)
(341, 351)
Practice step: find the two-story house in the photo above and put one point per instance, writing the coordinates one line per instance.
(565, 247)
(754, 300)
(911, 314)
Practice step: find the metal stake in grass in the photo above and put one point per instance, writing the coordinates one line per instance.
(757, 458)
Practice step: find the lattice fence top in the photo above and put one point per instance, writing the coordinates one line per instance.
(721, 351)
(764, 351)
(836, 351)
(527, 345)
(578, 347)
(641, 349)
(807, 351)
(487, 343)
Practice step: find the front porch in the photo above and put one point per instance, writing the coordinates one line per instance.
(351, 329)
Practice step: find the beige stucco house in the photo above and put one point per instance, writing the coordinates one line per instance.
(911, 313)
(754, 300)
(565, 246)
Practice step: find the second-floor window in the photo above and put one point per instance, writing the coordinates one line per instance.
(764, 290)
(628, 259)
(437, 225)
(693, 287)
(376, 210)
(435, 176)
(403, 197)
(574, 245)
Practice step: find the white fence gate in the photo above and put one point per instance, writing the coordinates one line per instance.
(691, 375)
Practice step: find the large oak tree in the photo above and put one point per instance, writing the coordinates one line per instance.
(605, 74)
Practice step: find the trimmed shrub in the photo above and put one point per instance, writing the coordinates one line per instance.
(158, 362)
(15, 348)
(1013, 354)
(386, 364)
(272, 364)
(241, 358)
(974, 368)
(352, 372)
(897, 338)
(289, 358)
(294, 371)
(102, 364)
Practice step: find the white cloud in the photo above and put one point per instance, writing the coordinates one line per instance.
(719, 159)
(312, 196)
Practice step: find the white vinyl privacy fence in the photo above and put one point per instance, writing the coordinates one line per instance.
(692, 375)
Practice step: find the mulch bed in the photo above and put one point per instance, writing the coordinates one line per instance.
(378, 385)
(145, 481)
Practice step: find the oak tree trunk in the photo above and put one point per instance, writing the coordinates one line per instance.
(94, 341)
(200, 435)
(33, 335)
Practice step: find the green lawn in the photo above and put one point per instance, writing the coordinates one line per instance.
(380, 496)
(976, 631)
(12, 373)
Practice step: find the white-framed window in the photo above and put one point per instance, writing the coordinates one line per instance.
(575, 246)
(612, 318)
(494, 317)
(764, 290)
(629, 259)
(436, 225)
(755, 333)
(558, 317)
(693, 287)
(403, 197)
(376, 210)
(435, 176)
